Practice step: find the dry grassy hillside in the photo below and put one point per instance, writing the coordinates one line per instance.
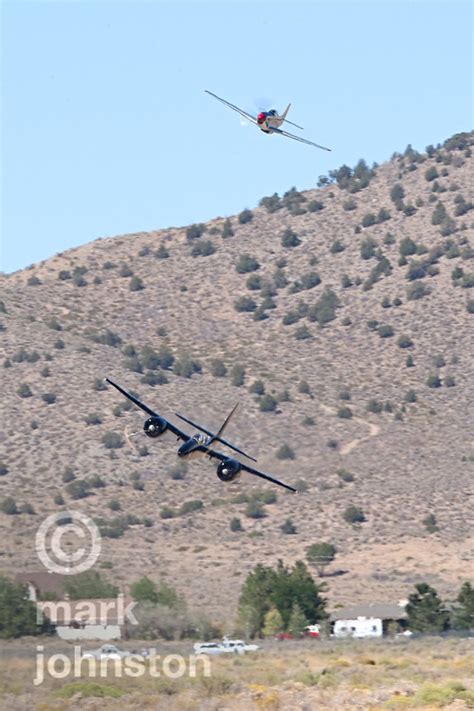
(364, 428)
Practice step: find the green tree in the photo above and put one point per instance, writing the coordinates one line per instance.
(273, 623)
(297, 586)
(464, 612)
(425, 610)
(321, 555)
(89, 585)
(246, 264)
(297, 621)
(18, 615)
(144, 590)
(254, 600)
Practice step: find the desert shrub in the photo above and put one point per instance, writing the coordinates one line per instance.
(470, 306)
(310, 280)
(404, 342)
(245, 303)
(112, 440)
(386, 303)
(48, 398)
(383, 215)
(33, 280)
(407, 247)
(167, 512)
(449, 381)
(349, 204)
(246, 264)
(409, 361)
(227, 230)
(431, 173)
(245, 216)
(410, 396)
(125, 271)
(285, 452)
(439, 214)
(237, 375)
(267, 403)
(190, 506)
(397, 193)
(337, 246)
(136, 284)
(385, 331)
(302, 333)
(195, 232)
(202, 248)
(24, 390)
(367, 248)
(185, 367)
(324, 310)
(257, 387)
(344, 413)
(162, 252)
(321, 555)
(290, 239)
(417, 290)
(303, 388)
(8, 506)
(345, 476)
(315, 206)
(354, 514)
(290, 318)
(153, 378)
(78, 489)
(59, 344)
(235, 525)
(3, 469)
(374, 406)
(254, 509)
(369, 219)
(271, 203)
(288, 527)
(254, 282)
(430, 523)
(433, 381)
(217, 368)
(64, 275)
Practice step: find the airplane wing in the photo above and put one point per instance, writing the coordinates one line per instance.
(298, 138)
(243, 113)
(175, 430)
(217, 455)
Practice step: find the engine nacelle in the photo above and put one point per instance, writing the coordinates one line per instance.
(155, 426)
(228, 470)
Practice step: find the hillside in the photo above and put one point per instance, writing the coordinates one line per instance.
(353, 278)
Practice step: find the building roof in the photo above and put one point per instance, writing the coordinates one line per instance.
(382, 611)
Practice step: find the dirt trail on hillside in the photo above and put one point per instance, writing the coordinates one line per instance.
(353, 443)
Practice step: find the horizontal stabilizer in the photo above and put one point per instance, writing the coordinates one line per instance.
(216, 437)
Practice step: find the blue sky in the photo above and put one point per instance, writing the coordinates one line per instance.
(106, 128)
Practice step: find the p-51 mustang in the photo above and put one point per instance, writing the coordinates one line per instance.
(269, 121)
(228, 468)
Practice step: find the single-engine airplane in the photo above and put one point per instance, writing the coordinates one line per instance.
(228, 468)
(269, 121)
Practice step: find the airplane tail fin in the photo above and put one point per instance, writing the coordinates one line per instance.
(284, 115)
(217, 437)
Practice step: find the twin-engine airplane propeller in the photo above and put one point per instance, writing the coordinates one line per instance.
(269, 121)
(228, 468)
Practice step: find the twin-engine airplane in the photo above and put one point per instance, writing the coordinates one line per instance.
(228, 468)
(269, 121)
